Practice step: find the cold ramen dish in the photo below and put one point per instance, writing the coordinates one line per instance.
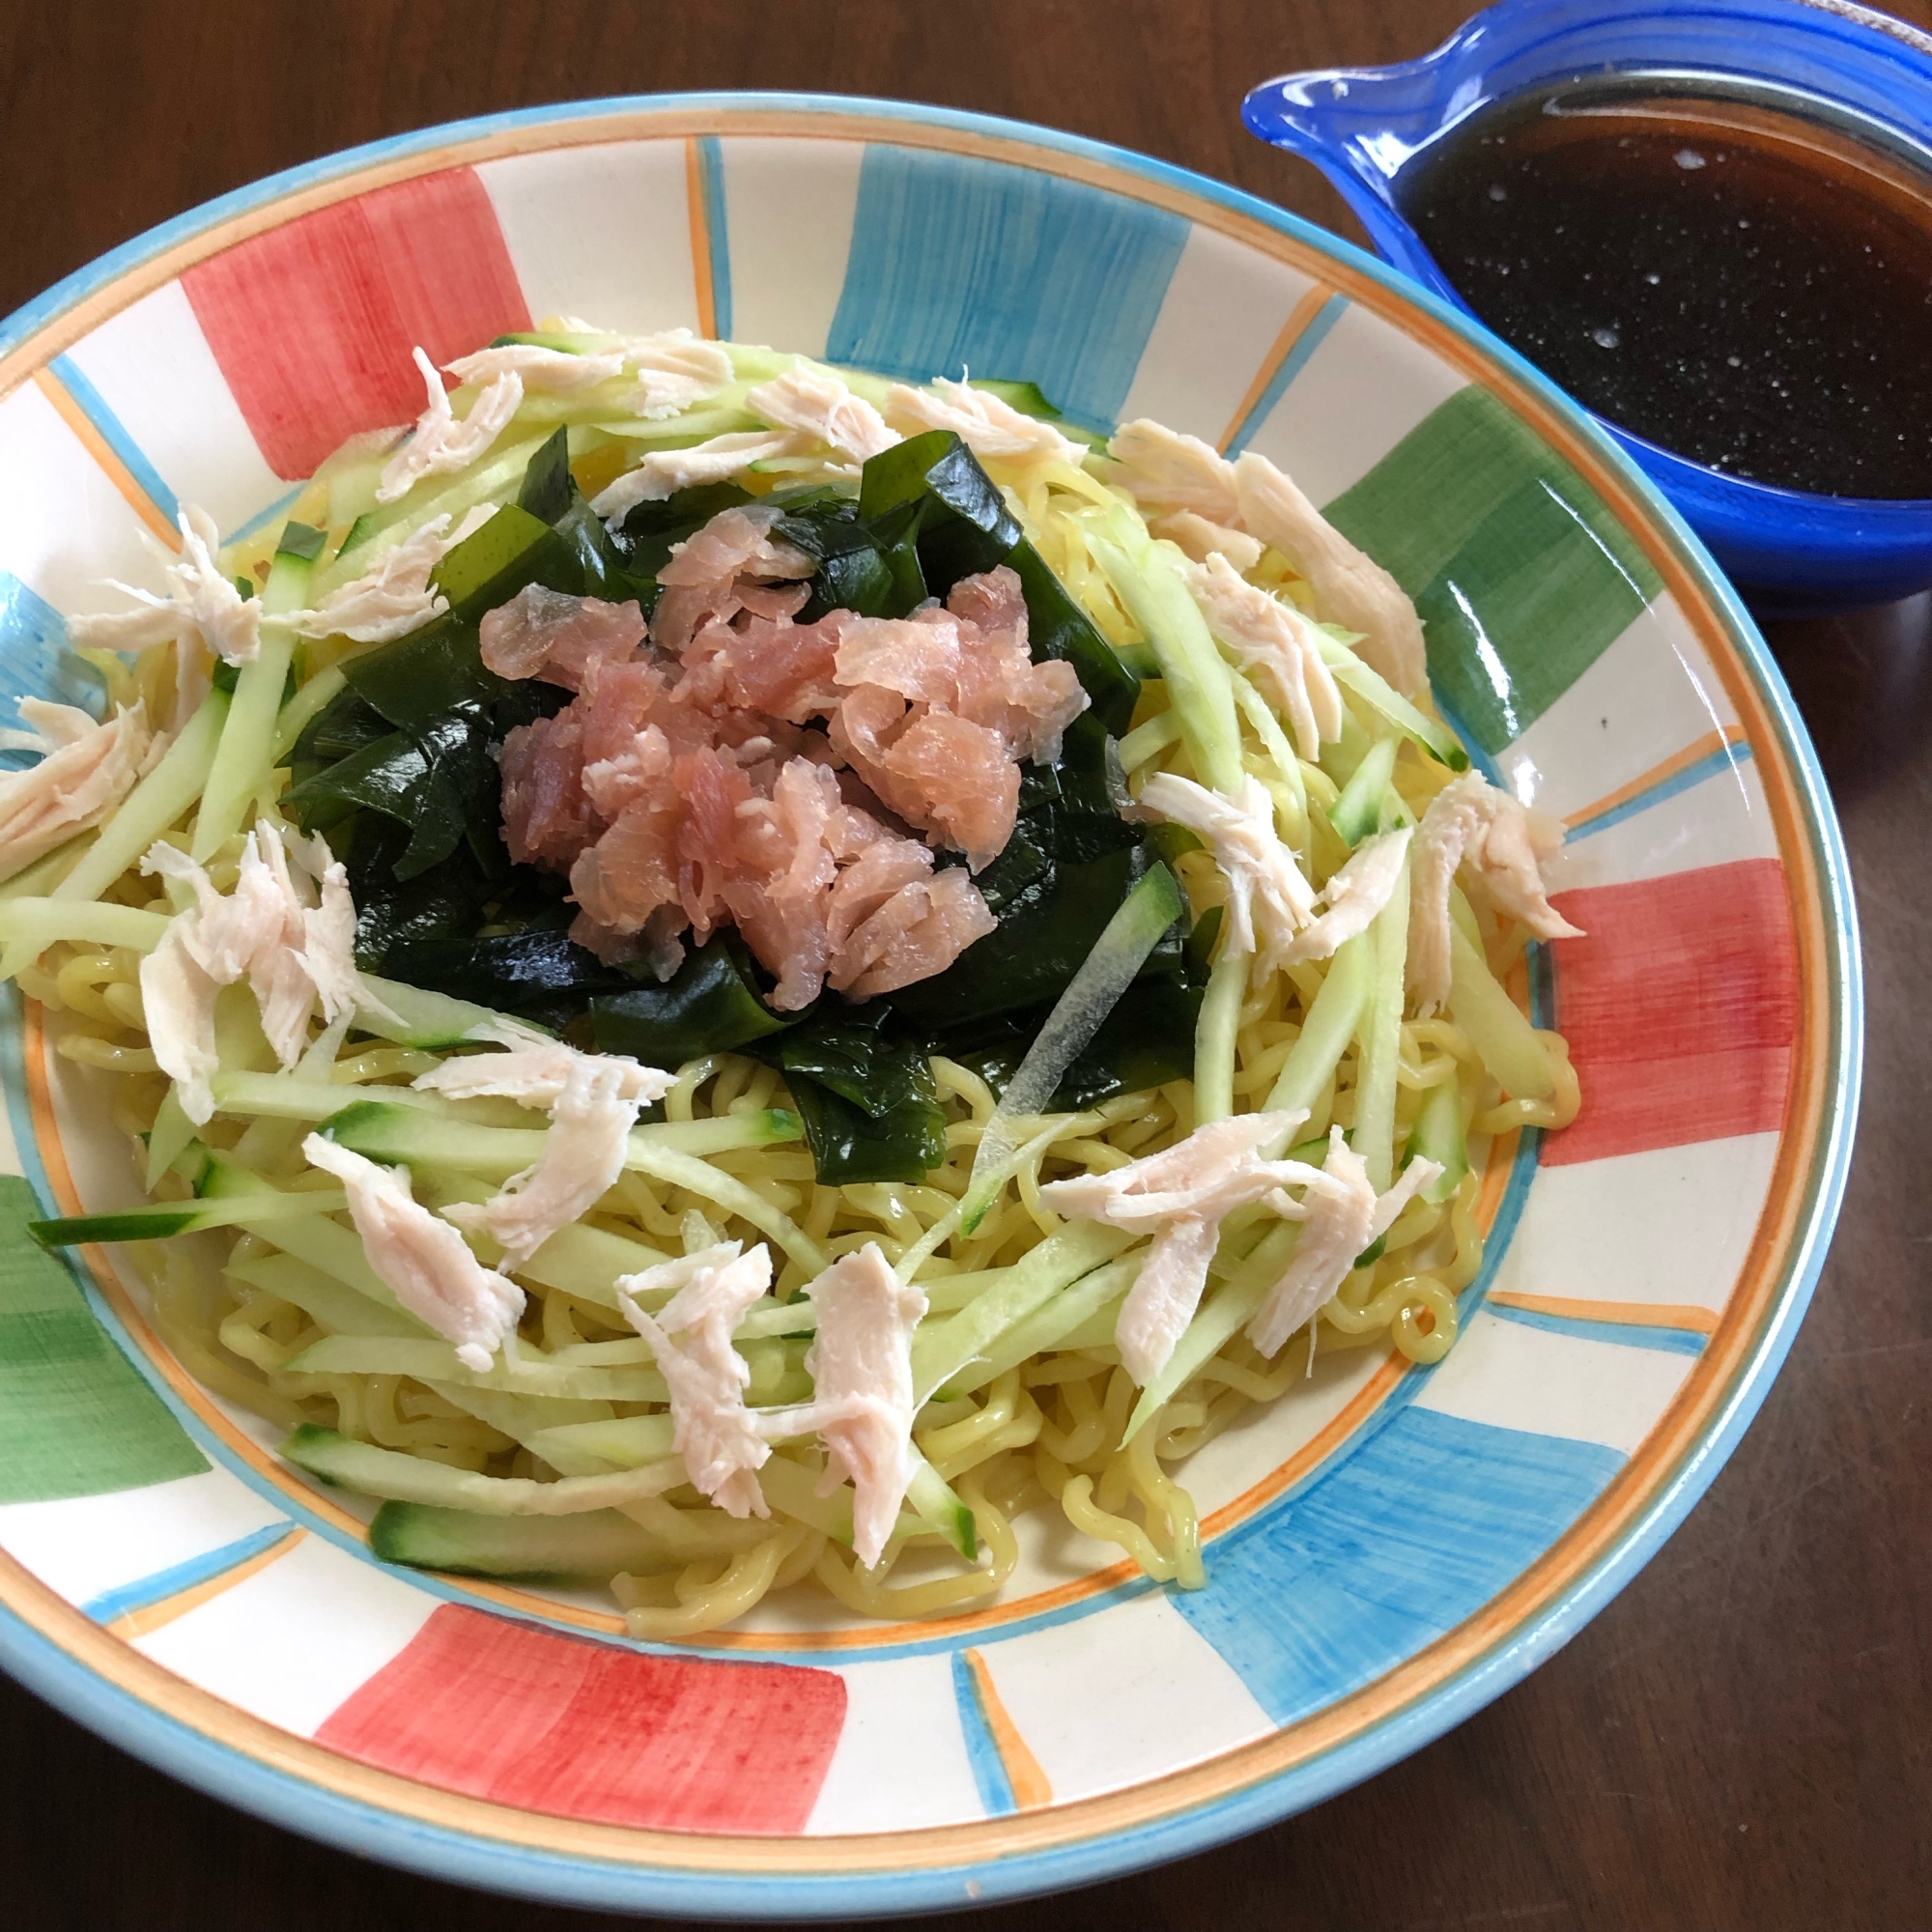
(727, 975)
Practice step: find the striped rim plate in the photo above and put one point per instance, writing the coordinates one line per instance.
(1388, 1549)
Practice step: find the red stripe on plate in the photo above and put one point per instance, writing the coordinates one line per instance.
(1680, 1008)
(313, 322)
(498, 1710)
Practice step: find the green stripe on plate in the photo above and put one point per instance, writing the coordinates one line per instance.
(1522, 575)
(75, 1417)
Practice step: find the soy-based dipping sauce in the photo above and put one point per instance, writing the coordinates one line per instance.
(1743, 284)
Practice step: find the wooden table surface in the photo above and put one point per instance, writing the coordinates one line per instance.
(1744, 1737)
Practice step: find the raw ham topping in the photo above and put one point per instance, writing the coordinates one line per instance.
(748, 769)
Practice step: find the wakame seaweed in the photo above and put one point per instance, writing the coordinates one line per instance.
(867, 1096)
(401, 771)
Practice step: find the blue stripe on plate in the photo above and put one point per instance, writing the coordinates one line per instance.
(983, 1753)
(1412, 1532)
(1292, 364)
(1726, 758)
(717, 232)
(34, 660)
(184, 1576)
(965, 265)
(273, 513)
(95, 407)
(1621, 1334)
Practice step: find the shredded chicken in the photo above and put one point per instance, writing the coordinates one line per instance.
(394, 597)
(1353, 895)
(1350, 588)
(1165, 472)
(555, 372)
(423, 1260)
(816, 404)
(690, 1336)
(675, 370)
(1275, 641)
(1270, 900)
(663, 472)
(593, 1104)
(1471, 822)
(1342, 1215)
(537, 1072)
(1201, 539)
(1181, 1196)
(441, 442)
(85, 769)
(202, 608)
(861, 1365)
(293, 957)
(986, 423)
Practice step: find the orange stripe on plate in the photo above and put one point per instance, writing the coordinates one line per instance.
(1701, 747)
(151, 1617)
(1031, 1787)
(102, 452)
(700, 237)
(1292, 330)
(1625, 1314)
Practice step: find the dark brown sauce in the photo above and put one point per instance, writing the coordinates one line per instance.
(1746, 285)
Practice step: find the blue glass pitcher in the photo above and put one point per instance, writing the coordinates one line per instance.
(1362, 127)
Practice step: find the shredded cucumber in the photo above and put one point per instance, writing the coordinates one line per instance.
(1328, 1030)
(1379, 1033)
(1441, 1134)
(1494, 1025)
(941, 1350)
(1146, 575)
(1376, 692)
(1117, 955)
(1052, 1326)
(403, 1478)
(39, 923)
(1358, 812)
(245, 755)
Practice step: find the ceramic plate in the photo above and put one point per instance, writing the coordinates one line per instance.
(1387, 1548)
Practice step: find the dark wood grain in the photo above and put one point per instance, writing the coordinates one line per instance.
(1744, 1738)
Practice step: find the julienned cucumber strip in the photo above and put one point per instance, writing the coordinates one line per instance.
(315, 696)
(940, 1351)
(588, 1548)
(524, 1417)
(392, 1132)
(331, 1302)
(1215, 1034)
(1325, 1033)
(243, 760)
(1146, 577)
(1136, 929)
(624, 1443)
(1441, 1134)
(1376, 692)
(1379, 1033)
(1050, 1326)
(930, 1497)
(418, 1017)
(43, 923)
(431, 1358)
(159, 1220)
(1494, 1025)
(1359, 810)
(399, 1477)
